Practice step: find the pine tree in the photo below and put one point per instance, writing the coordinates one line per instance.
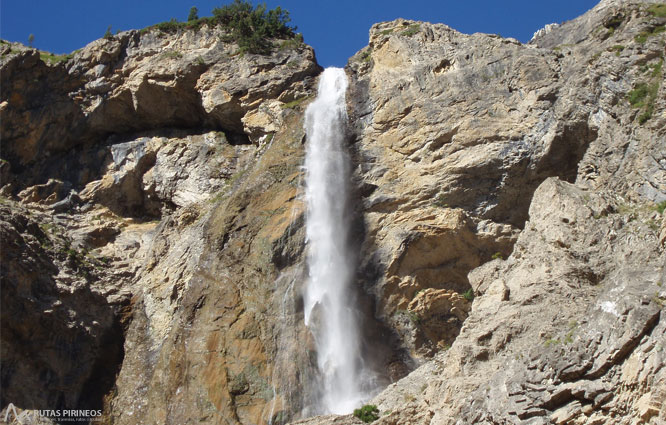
(194, 14)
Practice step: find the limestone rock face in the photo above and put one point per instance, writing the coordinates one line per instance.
(557, 330)
(454, 133)
(143, 80)
(63, 314)
(151, 227)
(539, 141)
(206, 327)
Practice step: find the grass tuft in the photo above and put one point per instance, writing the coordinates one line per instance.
(658, 10)
(368, 413)
(295, 103)
(643, 36)
(660, 207)
(644, 94)
(53, 59)
(411, 30)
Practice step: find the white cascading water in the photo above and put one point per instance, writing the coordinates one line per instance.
(329, 307)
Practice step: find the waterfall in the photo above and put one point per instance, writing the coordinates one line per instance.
(329, 302)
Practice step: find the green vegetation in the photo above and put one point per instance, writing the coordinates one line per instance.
(642, 213)
(660, 207)
(497, 256)
(644, 94)
(411, 315)
(658, 10)
(469, 294)
(47, 227)
(295, 103)
(170, 26)
(608, 28)
(387, 32)
(618, 48)
(366, 56)
(368, 413)
(411, 30)
(656, 69)
(563, 46)
(53, 59)
(249, 27)
(637, 96)
(193, 15)
(643, 36)
(219, 195)
(31, 38)
(414, 317)
(172, 54)
(603, 32)
(568, 338)
(292, 43)
(173, 26)
(107, 34)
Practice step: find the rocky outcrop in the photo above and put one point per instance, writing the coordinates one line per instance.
(575, 329)
(459, 126)
(455, 132)
(64, 313)
(142, 81)
(547, 142)
(150, 188)
(205, 327)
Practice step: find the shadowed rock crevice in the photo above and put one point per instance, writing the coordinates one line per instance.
(59, 330)
(100, 385)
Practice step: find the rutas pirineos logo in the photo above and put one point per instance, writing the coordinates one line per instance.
(14, 415)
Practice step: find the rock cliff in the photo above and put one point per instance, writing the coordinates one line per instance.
(150, 203)
(550, 155)
(510, 222)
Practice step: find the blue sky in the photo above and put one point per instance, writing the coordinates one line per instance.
(336, 29)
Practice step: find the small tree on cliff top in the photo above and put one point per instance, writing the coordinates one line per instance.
(194, 14)
(252, 27)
